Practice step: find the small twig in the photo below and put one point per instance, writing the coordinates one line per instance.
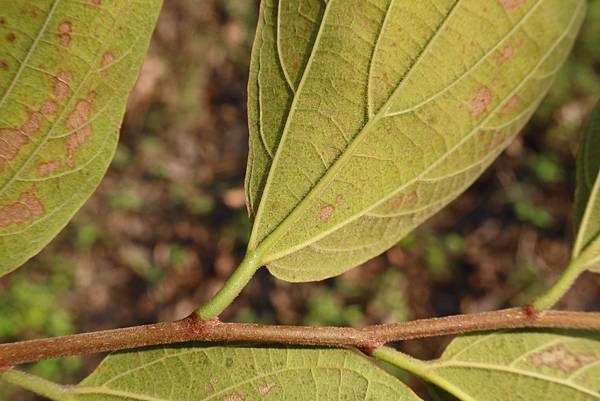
(193, 328)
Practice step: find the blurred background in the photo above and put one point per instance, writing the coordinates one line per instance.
(168, 223)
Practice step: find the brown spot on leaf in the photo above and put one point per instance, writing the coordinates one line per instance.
(97, 2)
(33, 123)
(496, 140)
(34, 12)
(27, 207)
(339, 200)
(107, 59)
(12, 141)
(558, 357)
(233, 397)
(505, 54)
(404, 200)
(480, 101)
(64, 33)
(79, 121)
(265, 389)
(49, 107)
(510, 107)
(213, 382)
(46, 168)
(511, 5)
(11, 37)
(3, 65)
(326, 212)
(61, 84)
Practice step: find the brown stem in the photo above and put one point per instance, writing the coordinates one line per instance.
(193, 328)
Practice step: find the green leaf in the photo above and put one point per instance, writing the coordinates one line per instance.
(367, 117)
(239, 374)
(523, 365)
(66, 68)
(587, 196)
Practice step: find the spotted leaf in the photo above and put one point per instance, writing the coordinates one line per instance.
(367, 117)
(522, 365)
(66, 68)
(238, 374)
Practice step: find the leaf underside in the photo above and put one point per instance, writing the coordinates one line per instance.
(367, 117)
(239, 374)
(524, 365)
(587, 196)
(66, 68)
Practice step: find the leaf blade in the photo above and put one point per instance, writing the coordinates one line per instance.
(81, 59)
(527, 364)
(240, 373)
(339, 166)
(587, 196)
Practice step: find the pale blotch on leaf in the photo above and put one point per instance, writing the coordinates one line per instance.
(326, 212)
(64, 33)
(505, 54)
(510, 107)
(79, 120)
(107, 59)
(27, 207)
(211, 385)
(265, 389)
(511, 5)
(480, 101)
(61, 84)
(233, 397)
(405, 200)
(15, 138)
(45, 168)
(559, 358)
